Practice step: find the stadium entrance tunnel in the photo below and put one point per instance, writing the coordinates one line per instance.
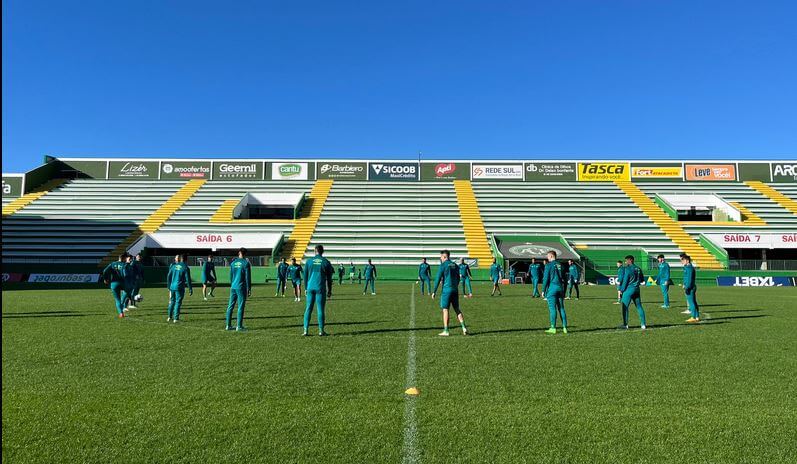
(754, 251)
(517, 251)
(159, 248)
(269, 206)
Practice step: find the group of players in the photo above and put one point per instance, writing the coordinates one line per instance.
(125, 277)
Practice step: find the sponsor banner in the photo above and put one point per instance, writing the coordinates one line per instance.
(710, 172)
(754, 171)
(92, 169)
(406, 172)
(445, 171)
(12, 277)
(64, 278)
(342, 171)
(185, 170)
(550, 172)
(12, 186)
(497, 172)
(784, 172)
(134, 170)
(749, 240)
(238, 170)
(604, 280)
(290, 171)
(755, 281)
(189, 240)
(654, 171)
(603, 172)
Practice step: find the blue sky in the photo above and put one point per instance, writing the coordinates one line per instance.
(571, 79)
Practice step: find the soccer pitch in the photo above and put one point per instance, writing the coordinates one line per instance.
(79, 385)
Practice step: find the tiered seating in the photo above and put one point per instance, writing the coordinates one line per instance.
(390, 222)
(595, 215)
(777, 218)
(195, 214)
(81, 221)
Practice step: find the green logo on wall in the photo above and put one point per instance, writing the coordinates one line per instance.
(290, 170)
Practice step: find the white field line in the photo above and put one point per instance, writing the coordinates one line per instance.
(410, 451)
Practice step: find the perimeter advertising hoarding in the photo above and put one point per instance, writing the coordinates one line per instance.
(710, 172)
(755, 281)
(292, 170)
(133, 170)
(754, 171)
(497, 172)
(401, 172)
(657, 172)
(12, 186)
(91, 169)
(238, 170)
(550, 171)
(445, 171)
(185, 170)
(342, 170)
(784, 172)
(604, 172)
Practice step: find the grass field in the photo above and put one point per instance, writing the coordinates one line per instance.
(81, 386)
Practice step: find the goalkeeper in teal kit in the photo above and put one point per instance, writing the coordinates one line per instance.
(535, 269)
(465, 276)
(318, 273)
(425, 276)
(572, 278)
(690, 288)
(370, 277)
(553, 290)
(496, 272)
(663, 281)
(114, 276)
(240, 289)
(629, 289)
(178, 278)
(448, 275)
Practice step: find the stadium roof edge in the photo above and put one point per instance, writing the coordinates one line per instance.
(432, 160)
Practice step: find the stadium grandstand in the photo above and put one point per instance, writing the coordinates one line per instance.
(79, 213)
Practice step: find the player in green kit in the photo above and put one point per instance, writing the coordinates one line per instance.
(573, 276)
(318, 275)
(341, 273)
(240, 289)
(425, 276)
(690, 288)
(208, 277)
(282, 276)
(620, 271)
(495, 276)
(352, 272)
(178, 278)
(448, 275)
(663, 280)
(295, 276)
(370, 277)
(465, 276)
(535, 269)
(553, 290)
(130, 283)
(114, 276)
(629, 288)
(138, 267)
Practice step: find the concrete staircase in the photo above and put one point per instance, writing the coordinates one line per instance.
(472, 224)
(302, 232)
(30, 197)
(157, 218)
(700, 256)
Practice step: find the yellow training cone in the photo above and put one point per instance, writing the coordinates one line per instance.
(412, 391)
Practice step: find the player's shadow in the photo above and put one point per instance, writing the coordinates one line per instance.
(396, 330)
(724, 311)
(49, 314)
(730, 318)
(503, 331)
